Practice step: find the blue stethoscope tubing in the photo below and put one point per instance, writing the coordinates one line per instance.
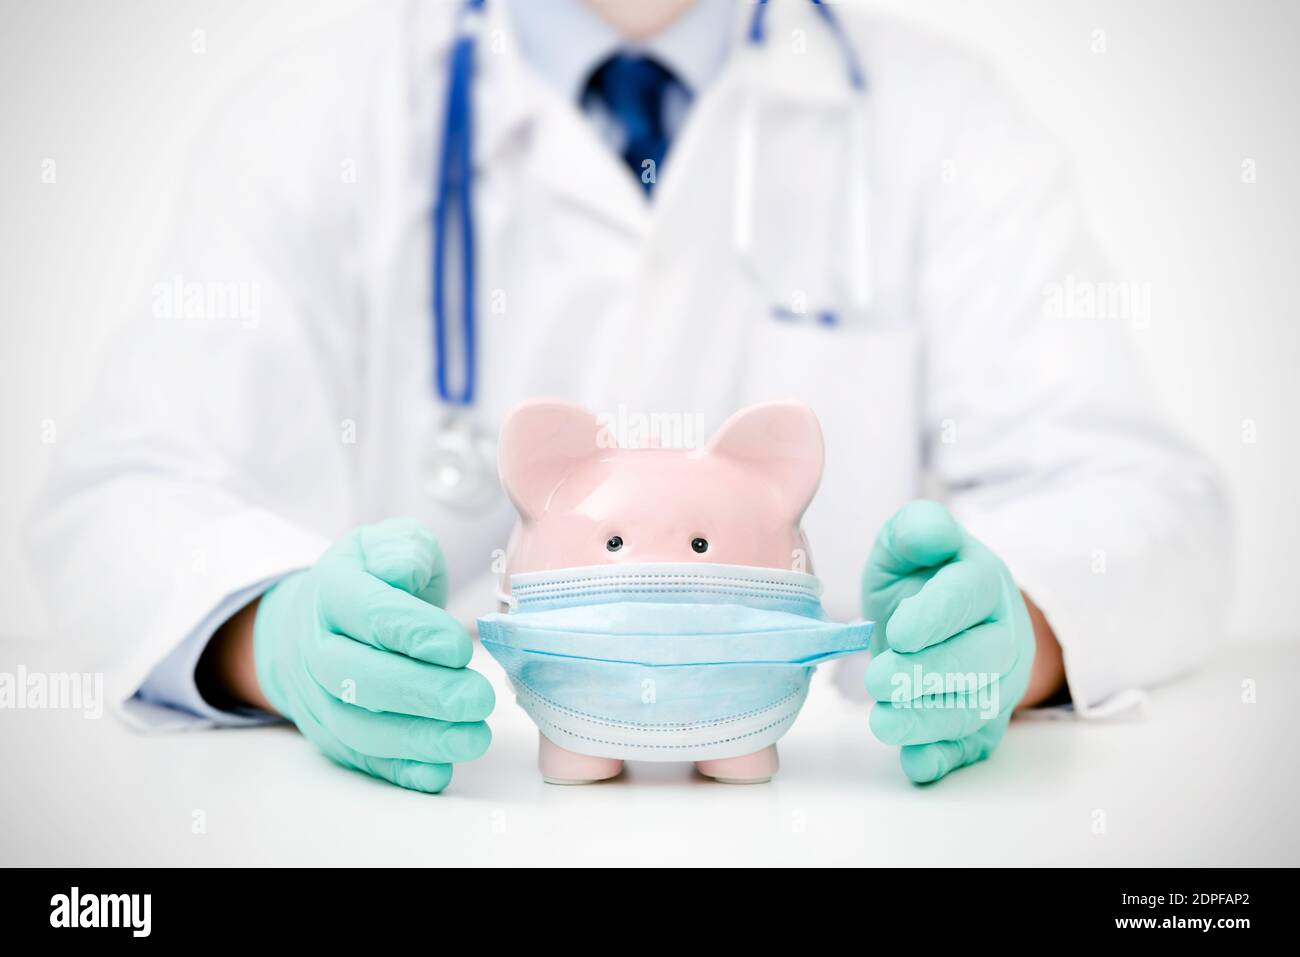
(452, 207)
(758, 33)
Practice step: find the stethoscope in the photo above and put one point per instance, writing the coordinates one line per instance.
(460, 466)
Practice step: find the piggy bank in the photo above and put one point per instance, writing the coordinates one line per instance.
(586, 504)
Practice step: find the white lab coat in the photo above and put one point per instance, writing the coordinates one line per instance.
(219, 454)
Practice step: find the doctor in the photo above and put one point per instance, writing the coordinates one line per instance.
(664, 207)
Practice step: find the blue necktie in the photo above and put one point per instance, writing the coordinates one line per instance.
(632, 88)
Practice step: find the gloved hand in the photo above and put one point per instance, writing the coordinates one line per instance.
(951, 614)
(358, 653)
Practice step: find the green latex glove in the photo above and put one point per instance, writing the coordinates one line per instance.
(359, 654)
(949, 608)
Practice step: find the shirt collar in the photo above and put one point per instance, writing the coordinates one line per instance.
(565, 41)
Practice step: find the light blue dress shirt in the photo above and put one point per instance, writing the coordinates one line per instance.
(565, 42)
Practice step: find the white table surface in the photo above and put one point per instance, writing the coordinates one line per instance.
(1200, 778)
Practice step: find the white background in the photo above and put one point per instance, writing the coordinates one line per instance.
(1160, 122)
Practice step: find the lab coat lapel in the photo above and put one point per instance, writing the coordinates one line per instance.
(565, 156)
(569, 159)
(695, 309)
(800, 64)
(800, 61)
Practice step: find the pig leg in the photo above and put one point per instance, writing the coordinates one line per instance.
(753, 768)
(566, 767)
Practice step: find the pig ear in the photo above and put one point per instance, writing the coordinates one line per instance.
(781, 441)
(541, 441)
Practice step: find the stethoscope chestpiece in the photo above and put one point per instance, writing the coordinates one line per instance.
(460, 466)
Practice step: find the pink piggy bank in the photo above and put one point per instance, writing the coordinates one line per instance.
(582, 501)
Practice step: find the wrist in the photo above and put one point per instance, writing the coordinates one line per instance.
(226, 673)
(1047, 677)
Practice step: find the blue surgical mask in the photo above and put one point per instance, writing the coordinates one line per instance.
(665, 662)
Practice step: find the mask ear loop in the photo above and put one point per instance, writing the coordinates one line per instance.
(507, 599)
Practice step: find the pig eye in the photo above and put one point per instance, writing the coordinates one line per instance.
(701, 545)
(614, 543)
